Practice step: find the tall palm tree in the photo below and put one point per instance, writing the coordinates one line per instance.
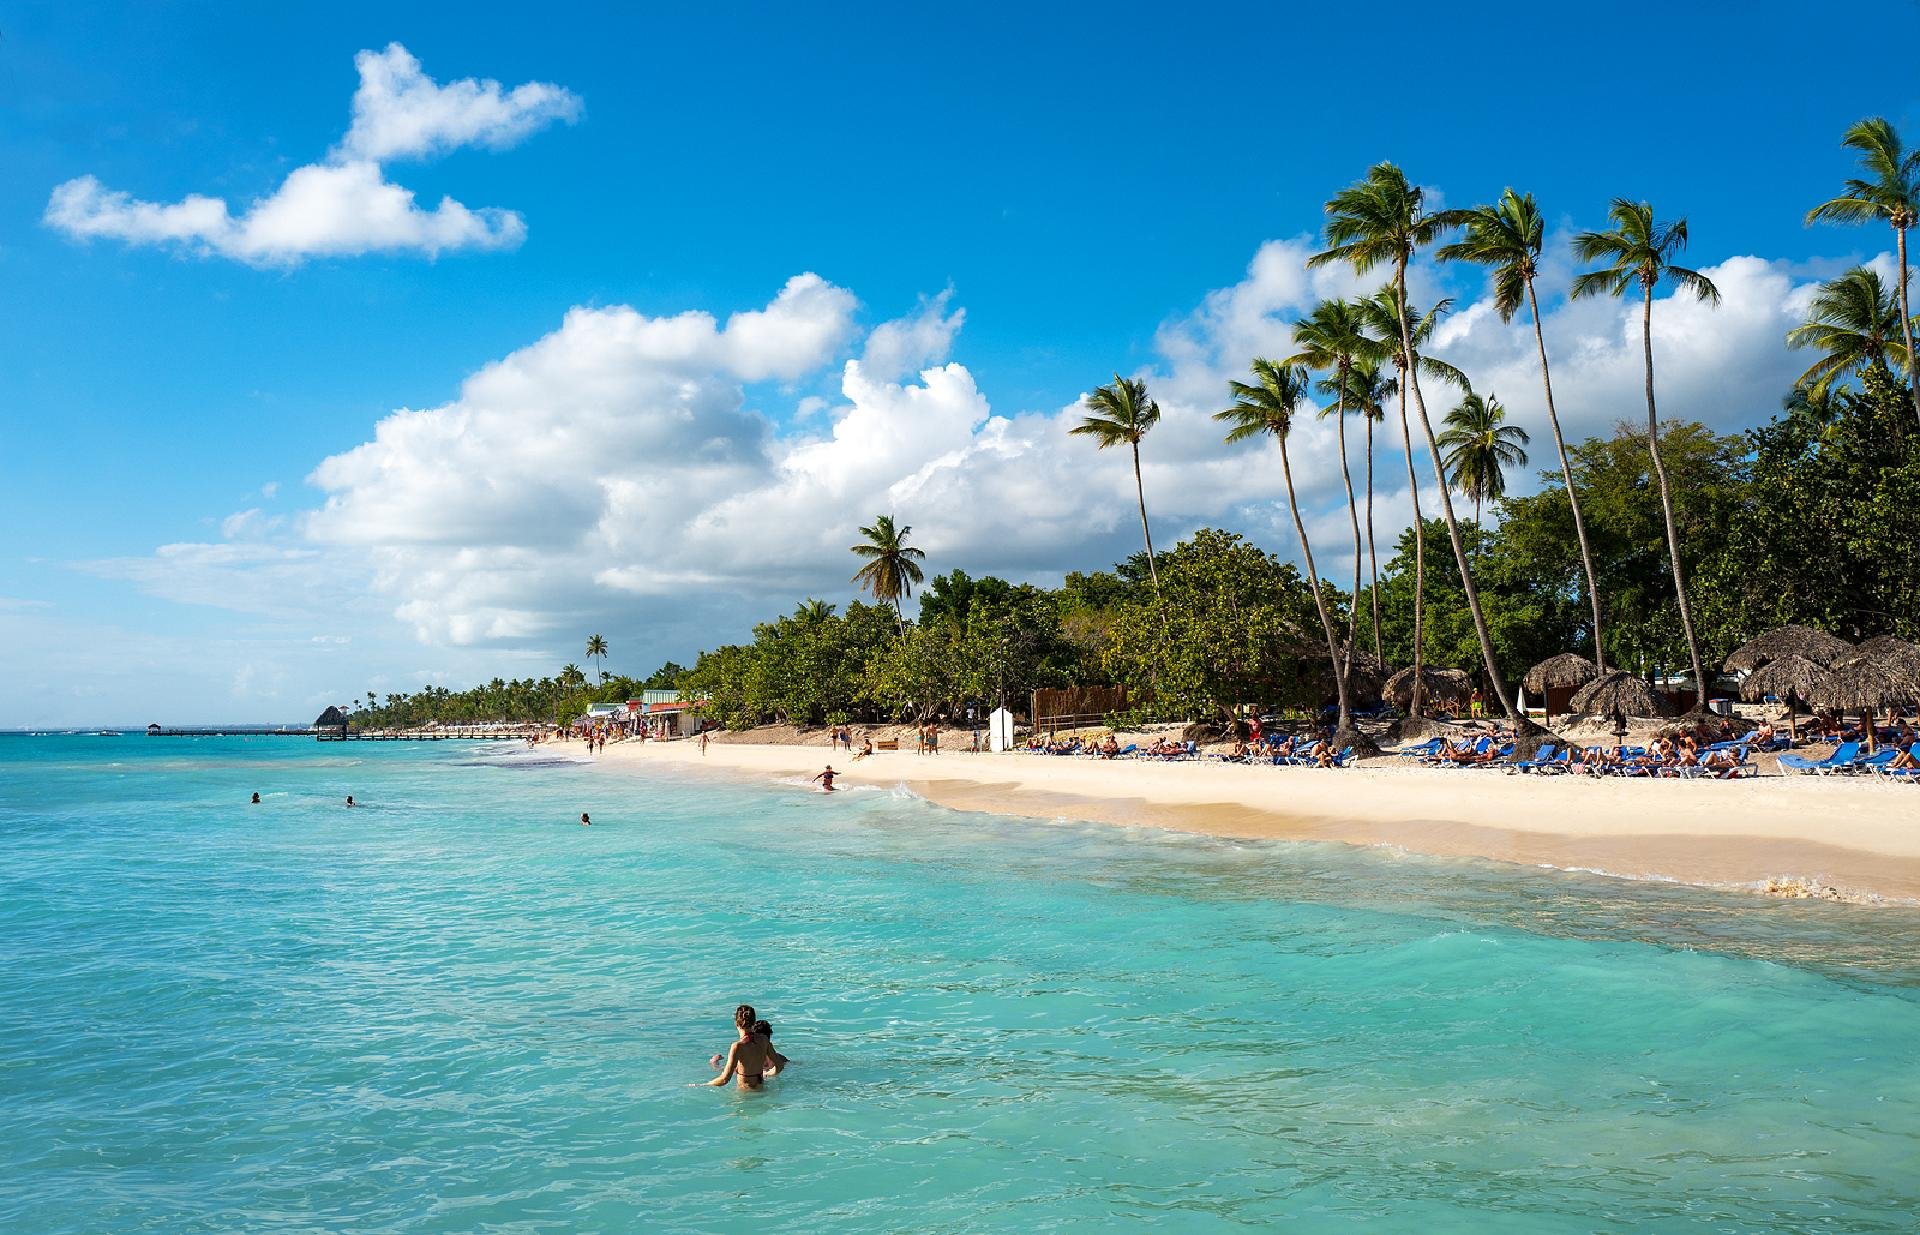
(597, 648)
(1852, 321)
(1265, 406)
(571, 677)
(1381, 314)
(1639, 252)
(1890, 190)
(1118, 413)
(1368, 387)
(892, 568)
(1507, 238)
(1333, 339)
(1384, 219)
(1480, 447)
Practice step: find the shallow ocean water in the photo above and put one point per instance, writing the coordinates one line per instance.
(457, 1010)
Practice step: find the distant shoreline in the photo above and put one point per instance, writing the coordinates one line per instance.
(1838, 839)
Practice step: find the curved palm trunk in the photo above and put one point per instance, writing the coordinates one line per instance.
(1153, 571)
(1319, 598)
(1417, 705)
(1373, 558)
(1446, 503)
(1566, 474)
(1906, 322)
(1353, 517)
(1666, 502)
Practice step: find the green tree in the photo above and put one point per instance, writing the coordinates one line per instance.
(571, 677)
(1121, 414)
(1264, 408)
(1639, 252)
(1507, 238)
(1889, 189)
(1384, 219)
(1230, 628)
(892, 567)
(1480, 446)
(597, 650)
(1852, 321)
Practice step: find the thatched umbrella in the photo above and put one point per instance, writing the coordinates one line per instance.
(1619, 692)
(1441, 685)
(1793, 679)
(1865, 683)
(1899, 651)
(1815, 645)
(1566, 669)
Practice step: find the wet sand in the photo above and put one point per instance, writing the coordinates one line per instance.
(1850, 838)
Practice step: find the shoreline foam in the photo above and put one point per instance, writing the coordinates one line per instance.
(1856, 841)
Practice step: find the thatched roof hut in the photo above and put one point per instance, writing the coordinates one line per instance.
(1794, 679)
(1620, 692)
(1369, 674)
(1815, 645)
(1445, 687)
(1566, 669)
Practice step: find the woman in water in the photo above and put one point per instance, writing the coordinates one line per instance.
(750, 1058)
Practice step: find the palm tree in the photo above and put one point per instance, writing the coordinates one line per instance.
(1265, 406)
(1332, 339)
(1507, 238)
(892, 567)
(1891, 191)
(1852, 321)
(812, 612)
(1480, 447)
(1122, 412)
(597, 648)
(1639, 251)
(1381, 314)
(1382, 219)
(1367, 390)
(571, 677)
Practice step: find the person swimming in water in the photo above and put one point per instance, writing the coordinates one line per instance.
(584, 821)
(826, 779)
(349, 799)
(256, 800)
(749, 1058)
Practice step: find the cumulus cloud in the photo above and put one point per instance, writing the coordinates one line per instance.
(343, 205)
(401, 113)
(679, 476)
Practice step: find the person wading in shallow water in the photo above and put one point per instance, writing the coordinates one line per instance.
(584, 821)
(750, 1058)
(826, 779)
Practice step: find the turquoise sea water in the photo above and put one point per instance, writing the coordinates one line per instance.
(456, 1010)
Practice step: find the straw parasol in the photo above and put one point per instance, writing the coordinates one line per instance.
(1566, 669)
(1369, 673)
(1815, 645)
(1865, 683)
(1439, 685)
(1899, 651)
(1794, 679)
(1621, 692)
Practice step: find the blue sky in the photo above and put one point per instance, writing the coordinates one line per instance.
(1092, 187)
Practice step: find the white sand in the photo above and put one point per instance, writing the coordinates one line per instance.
(1853, 837)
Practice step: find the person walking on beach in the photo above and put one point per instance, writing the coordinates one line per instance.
(826, 779)
(703, 741)
(749, 1058)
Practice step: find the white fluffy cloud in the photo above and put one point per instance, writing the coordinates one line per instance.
(344, 205)
(401, 113)
(656, 476)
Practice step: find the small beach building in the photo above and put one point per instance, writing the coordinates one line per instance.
(667, 715)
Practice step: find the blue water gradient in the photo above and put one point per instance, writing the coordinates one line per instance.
(456, 1010)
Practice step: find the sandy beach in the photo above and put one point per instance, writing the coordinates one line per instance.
(1852, 839)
